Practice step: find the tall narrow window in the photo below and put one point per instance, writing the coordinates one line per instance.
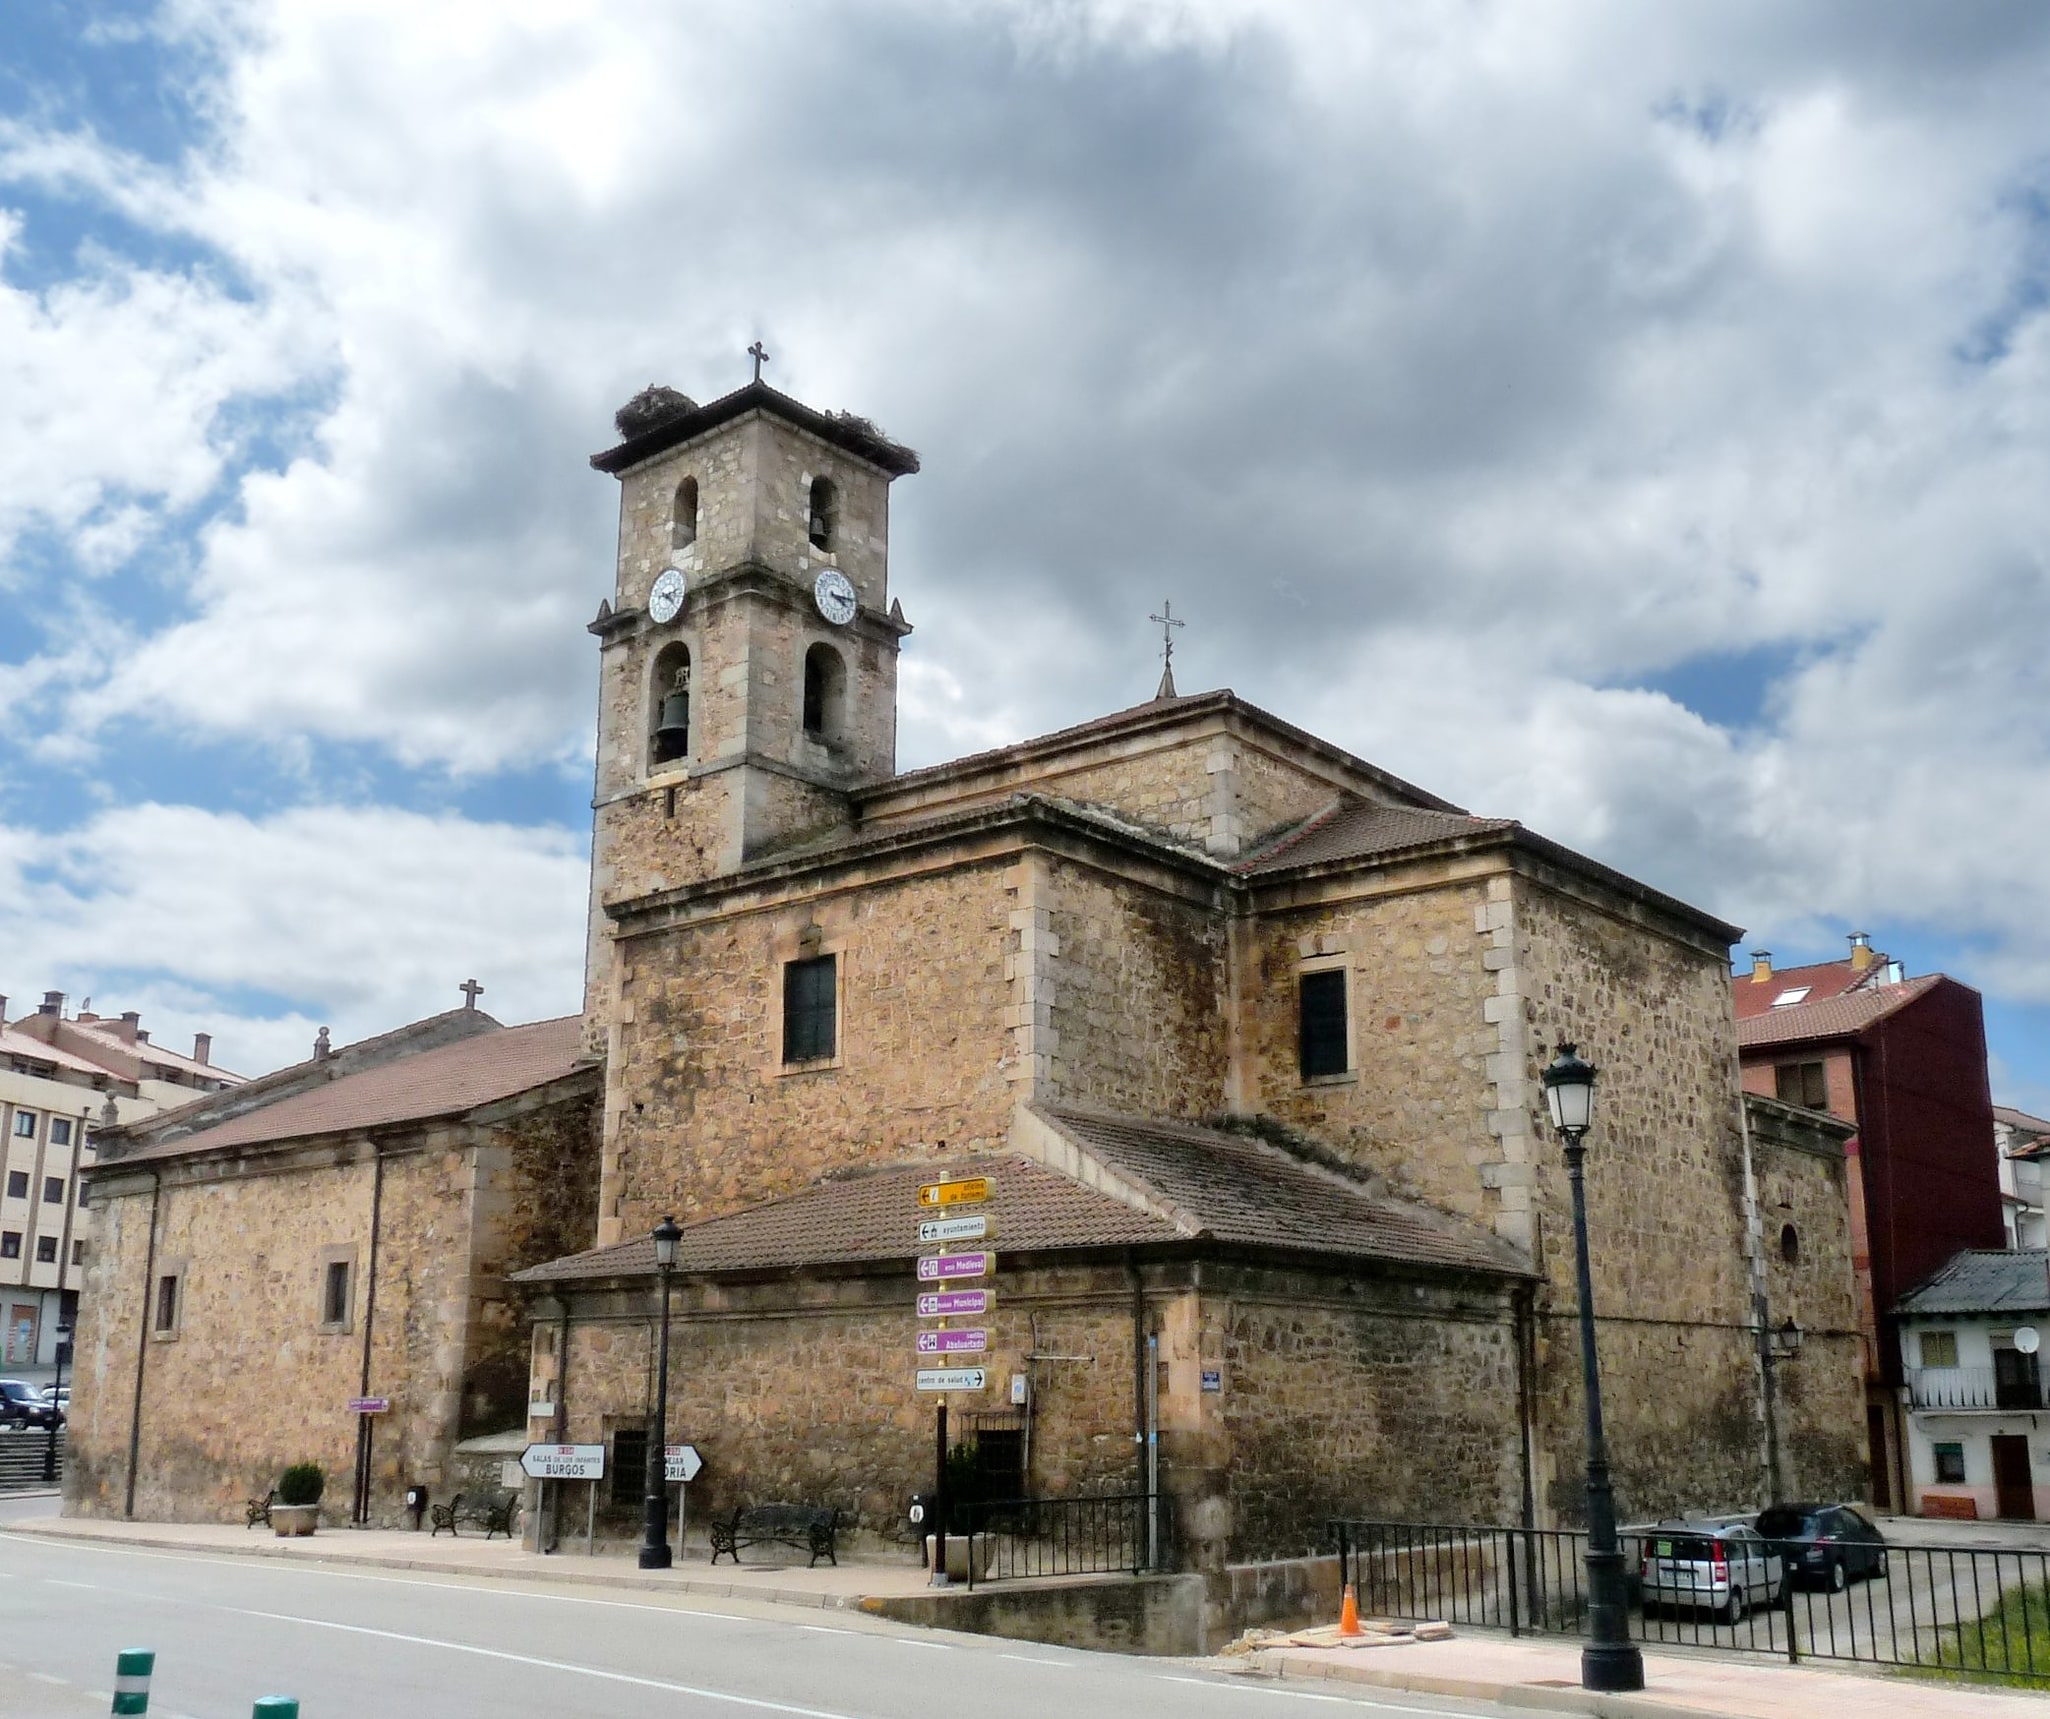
(825, 692)
(669, 697)
(166, 1321)
(1802, 1083)
(60, 1131)
(629, 1465)
(1321, 1022)
(334, 1293)
(53, 1190)
(809, 1009)
(46, 1250)
(683, 527)
(825, 513)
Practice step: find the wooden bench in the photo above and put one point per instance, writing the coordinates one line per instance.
(258, 1509)
(493, 1512)
(807, 1527)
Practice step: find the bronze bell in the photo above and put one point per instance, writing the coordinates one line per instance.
(672, 733)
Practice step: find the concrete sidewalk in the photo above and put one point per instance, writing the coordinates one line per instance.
(1546, 1675)
(505, 1560)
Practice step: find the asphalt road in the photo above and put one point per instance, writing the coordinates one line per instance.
(393, 1645)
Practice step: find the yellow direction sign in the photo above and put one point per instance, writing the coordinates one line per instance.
(965, 1191)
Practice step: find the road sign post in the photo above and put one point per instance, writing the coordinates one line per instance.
(564, 1461)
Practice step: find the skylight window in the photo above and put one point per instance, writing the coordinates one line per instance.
(1786, 999)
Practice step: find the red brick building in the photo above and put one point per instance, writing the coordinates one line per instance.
(1904, 1061)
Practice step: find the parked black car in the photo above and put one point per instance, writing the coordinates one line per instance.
(1825, 1545)
(22, 1405)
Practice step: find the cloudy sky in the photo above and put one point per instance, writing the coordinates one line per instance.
(1629, 419)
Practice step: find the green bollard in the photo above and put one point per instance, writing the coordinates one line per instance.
(275, 1707)
(132, 1666)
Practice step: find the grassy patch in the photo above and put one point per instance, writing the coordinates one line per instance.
(2008, 1646)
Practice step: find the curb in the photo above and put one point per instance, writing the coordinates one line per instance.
(704, 1588)
(1528, 1695)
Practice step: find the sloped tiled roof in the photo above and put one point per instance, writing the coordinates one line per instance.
(13, 1044)
(1833, 1017)
(145, 1050)
(1252, 1193)
(2020, 1120)
(1985, 1280)
(445, 1081)
(873, 1215)
(1821, 981)
(1359, 829)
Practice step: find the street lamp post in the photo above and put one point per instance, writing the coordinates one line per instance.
(1610, 1661)
(56, 1391)
(655, 1527)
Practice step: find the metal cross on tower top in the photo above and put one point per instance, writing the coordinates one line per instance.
(1167, 623)
(760, 354)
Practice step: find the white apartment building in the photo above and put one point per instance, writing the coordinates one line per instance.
(60, 1077)
(2024, 1143)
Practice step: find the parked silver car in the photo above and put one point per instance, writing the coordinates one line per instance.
(1720, 1565)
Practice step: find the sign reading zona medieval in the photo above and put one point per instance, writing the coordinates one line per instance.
(977, 1228)
(970, 1342)
(564, 1461)
(963, 1191)
(956, 1303)
(951, 1378)
(944, 1267)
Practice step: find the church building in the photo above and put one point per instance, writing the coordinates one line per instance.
(1245, 1031)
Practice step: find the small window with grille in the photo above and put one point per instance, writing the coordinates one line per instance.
(629, 1465)
(810, 1009)
(1320, 1023)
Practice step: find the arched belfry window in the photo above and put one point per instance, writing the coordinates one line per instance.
(683, 528)
(669, 706)
(825, 513)
(825, 693)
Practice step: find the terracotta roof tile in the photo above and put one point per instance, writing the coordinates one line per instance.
(1359, 829)
(1257, 1194)
(14, 1044)
(1832, 1017)
(445, 1081)
(1822, 981)
(873, 1215)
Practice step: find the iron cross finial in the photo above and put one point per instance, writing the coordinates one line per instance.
(1167, 623)
(760, 354)
(471, 991)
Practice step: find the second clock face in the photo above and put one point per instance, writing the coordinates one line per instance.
(835, 597)
(665, 596)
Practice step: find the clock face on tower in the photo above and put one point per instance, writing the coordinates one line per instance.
(835, 596)
(665, 596)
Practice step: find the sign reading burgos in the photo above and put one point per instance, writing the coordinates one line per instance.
(564, 1461)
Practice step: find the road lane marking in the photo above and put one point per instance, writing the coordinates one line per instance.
(59, 1582)
(45, 1677)
(827, 1629)
(1034, 1659)
(758, 1702)
(1362, 1700)
(912, 1641)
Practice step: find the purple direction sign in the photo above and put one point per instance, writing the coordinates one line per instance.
(955, 1303)
(952, 1342)
(941, 1267)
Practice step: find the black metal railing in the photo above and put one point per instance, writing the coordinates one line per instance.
(1013, 1537)
(1969, 1612)
(25, 1459)
(1992, 1388)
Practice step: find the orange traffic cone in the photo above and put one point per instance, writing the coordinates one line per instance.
(1349, 1613)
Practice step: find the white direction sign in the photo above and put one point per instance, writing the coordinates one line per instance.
(681, 1462)
(564, 1461)
(976, 1228)
(951, 1378)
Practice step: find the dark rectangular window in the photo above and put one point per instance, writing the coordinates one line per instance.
(808, 1009)
(629, 1466)
(1950, 1464)
(10, 1245)
(167, 1303)
(25, 1124)
(1321, 1022)
(334, 1299)
(1801, 1083)
(53, 1190)
(78, 1253)
(17, 1184)
(46, 1250)
(60, 1131)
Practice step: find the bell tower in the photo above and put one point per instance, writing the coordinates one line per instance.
(748, 653)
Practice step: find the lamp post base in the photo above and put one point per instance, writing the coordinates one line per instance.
(1613, 1667)
(657, 1558)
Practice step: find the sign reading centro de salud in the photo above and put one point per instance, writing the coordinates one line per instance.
(564, 1461)
(951, 1378)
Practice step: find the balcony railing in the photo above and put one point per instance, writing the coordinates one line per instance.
(1976, 1387)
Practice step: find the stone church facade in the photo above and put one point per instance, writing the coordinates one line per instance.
(1299, 981)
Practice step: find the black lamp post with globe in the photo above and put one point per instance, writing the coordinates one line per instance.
(655, 1527)
(1610, 1661)
(57, 1414)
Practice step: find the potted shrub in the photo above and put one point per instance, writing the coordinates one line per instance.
(297, 1510)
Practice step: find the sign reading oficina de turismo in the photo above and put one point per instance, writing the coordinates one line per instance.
(950, 1197)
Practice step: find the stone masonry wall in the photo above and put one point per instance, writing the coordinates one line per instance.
(1137, 998)
(710, 1120)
